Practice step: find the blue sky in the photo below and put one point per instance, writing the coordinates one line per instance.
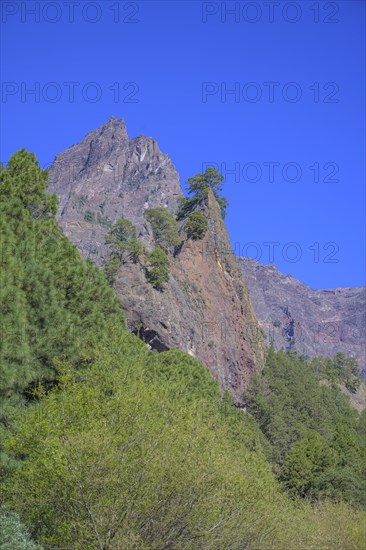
(292, 130)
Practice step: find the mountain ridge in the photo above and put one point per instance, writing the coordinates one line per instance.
(312, 322)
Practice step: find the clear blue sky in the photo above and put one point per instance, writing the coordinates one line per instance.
(298, 76)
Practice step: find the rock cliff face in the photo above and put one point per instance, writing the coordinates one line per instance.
(205, 309)
(106, 176)
(313, 322)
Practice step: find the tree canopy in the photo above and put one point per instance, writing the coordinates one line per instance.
(123, 246)
(314, 436)
(198, 187)
(164, 227)
(158, 274)
(52, 303)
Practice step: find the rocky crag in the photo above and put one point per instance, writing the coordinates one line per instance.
(205, 308)
(312, 322)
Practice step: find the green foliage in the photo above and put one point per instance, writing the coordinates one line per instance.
(306, 462)
(24, 182)
(158, 274)
(340, 370)
(89, 216)
(175, 366)
(98, 219)
(198, 186)
(123, 245)
(164, 226)
(185, 206)
(123, 242)
(51, 302)
(223, 203)
(140, 451)
(13, 533)
(313, 434)
(196, 225)
(122, 232)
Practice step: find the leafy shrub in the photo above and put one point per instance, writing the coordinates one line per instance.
(14, 536)
(123, 246)
(158, 275)
(340, 369)
(147, 456)
(196, 225)
(164, 226)
(185, 206)
(198, 186)
(89, 216)
(98, 219)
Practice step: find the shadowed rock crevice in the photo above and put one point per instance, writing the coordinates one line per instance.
(150, 337)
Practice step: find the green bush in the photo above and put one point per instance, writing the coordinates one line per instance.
(196, 225)
(124, 246)
(164, 226)
(158, 274)
(89, 216)
(14, 536)
(140, 451)
(198, 186)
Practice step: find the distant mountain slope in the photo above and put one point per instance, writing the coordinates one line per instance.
(313, 322)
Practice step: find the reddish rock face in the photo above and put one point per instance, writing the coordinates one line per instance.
(312, 322)
(205, 308)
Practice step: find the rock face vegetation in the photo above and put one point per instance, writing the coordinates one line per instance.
(192, 435)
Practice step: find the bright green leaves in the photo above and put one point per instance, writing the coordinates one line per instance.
(136, 454)
(158, 274)
(196, 225)
(24, 180)
(198, 186)
(164, 227)
(124, 246)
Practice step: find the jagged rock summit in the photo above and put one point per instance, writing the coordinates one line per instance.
(312, 322)
(205, 308)
(106, 176)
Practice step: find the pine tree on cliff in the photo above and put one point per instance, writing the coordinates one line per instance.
(198, 186)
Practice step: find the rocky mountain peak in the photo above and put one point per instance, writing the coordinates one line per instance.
(205, 308)
(107, 176)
